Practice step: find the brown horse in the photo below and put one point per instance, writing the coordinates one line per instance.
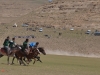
(22, 55)
(31, 55)
(36, 52)
(3, 52)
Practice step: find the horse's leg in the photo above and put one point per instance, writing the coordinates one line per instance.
(8, 60)
(22, 62)
(38, 59)
(34, 60)
(26, 61)
(13, 60)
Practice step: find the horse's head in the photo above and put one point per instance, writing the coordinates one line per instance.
(41, 49)
(19, 47)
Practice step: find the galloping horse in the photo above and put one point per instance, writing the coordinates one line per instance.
(3, 52)
(31, 55)
(35, 53)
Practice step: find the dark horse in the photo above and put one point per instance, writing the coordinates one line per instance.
(31, 55)
(3, 52)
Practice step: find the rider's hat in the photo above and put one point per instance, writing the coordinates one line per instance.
(37, 43)
(13, 38)
(8, 37)
(27, 40)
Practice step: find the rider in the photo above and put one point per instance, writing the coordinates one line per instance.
(12, 44)
(6, 44)
(25, 46)
(33, 45)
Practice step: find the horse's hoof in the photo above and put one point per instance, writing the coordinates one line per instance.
(12, 63)
(24, 65)
(8, 64)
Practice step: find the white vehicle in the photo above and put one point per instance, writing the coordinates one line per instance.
(24, 25)
(40, 30)
(88, 32)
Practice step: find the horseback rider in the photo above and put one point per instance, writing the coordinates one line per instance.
(25, 46)
(12, 44)
(6, 45)
(33, 45)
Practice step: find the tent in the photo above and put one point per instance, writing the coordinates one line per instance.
(15, 25)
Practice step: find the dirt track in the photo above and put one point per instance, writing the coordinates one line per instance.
(61, 52)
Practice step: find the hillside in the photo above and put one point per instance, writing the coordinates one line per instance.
(12, 9)
(83, 14)
(57, 17)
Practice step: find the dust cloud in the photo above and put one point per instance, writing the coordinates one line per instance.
(61, 52)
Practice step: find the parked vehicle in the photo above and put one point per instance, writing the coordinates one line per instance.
(97, 33)
(88, 32)
(40, 30)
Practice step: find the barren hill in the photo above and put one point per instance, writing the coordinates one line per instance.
(12, 9)
(67, 13)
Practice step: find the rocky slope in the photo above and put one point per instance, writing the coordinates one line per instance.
(12, 9)
(68, 13)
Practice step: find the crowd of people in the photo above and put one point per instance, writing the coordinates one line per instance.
(10, 44)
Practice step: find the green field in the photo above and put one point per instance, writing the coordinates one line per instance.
(54, 65)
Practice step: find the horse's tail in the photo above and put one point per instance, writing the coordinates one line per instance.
(1, 55)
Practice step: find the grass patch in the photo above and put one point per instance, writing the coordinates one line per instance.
(54, 65)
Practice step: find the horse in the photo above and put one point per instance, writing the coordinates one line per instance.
(31, 55)
(22, 55)
(3, 52)
(41, 50)
(36, 52)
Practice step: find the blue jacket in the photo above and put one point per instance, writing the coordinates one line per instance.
(32, 44)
